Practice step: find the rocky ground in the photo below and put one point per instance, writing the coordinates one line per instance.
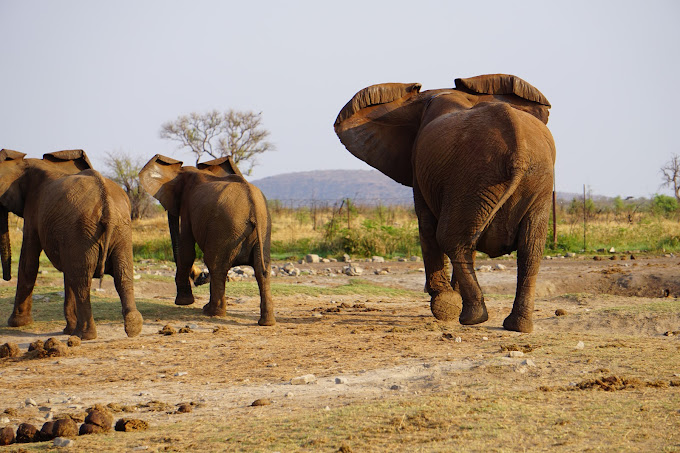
(601, 326)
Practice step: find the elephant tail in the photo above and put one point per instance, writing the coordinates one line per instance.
(515, 180)
(105, 222)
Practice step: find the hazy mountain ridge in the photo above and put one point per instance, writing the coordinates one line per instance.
(364, 186)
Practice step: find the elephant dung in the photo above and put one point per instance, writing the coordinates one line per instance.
(64, 427)
(100, 416)
(131, 424)
(37, 344)
(27, 433)
(73, 341)
(261, 402)
(9, 350)
(87, 428)
(6, 436)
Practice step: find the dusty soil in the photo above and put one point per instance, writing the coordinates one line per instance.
(619, 322)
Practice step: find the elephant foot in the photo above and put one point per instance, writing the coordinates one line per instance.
(133, 323)
(446, 306)
(184, 299)
(69, 329)
(19, 320)
(210, 310)
(473, 314)
(267, 320)
(518, 323)
(89, 334)
(202, 279)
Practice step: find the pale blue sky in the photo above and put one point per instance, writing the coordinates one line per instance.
(103, 76)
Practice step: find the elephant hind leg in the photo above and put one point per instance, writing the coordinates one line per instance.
(69, 309)
(445, 303)
(532, 237)
(474, 309)
(121, 270)
(80, 287)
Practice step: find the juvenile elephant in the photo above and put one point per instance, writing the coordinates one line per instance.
(212, 205)
(480, 160)
(82, 222)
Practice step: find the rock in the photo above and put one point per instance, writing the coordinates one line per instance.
(6, 436)
(612, 250)
(289, 395)
(261, 402)
(415, 258)
(458, 340)
(131, 424)
(571, 254)
(401, 259)
(288, 267)
(9, 350)
(484, 268)
(340, 380)
(353, 270)
(63, 442)
(73, 341)
(30, 402)
(301, 380)
(346, 258)
(515, 354)
(27, 433)
(181, 373)
(580, 345)
(312, 258)
(560, 312)
(378, 259)
(395, 387)
(530, 363)
(64, 427)
(500, 267)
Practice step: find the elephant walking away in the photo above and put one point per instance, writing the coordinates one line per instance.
(82, 222)
(481, 161)
(212, 205)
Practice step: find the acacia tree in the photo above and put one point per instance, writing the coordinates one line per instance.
(124, 170)
(671, 175)
(218, 134)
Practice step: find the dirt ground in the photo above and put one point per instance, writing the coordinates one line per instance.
(619, 335)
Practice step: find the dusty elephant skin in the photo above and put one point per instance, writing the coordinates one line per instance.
(480, 160)
(212, 205)
(82, 222)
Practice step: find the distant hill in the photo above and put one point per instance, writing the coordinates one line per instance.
(362, 186)
(330, 186)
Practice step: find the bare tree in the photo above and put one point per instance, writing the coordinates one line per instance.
(232, 133)
(124, 170)
(671, 175)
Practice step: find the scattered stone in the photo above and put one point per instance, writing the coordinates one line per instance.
(415, 258)
(73, 341)
(571, 254)
(484, 268)
(396, 387)
(353, 270)
(515, 354)
(167, 330)
(312, 258)
(458, 340)
(9, 350)
(346, 258)
(560, 312)
(30, 402)
(131, 424)
(302, 380)
(500, 267)
(289, 395)
(530, 363)
(4, 420)
(27, 433)
(378, 259)
(580, 345)
(63, 442)
(6, 436)
(181, 373)
(340, 380)
(261, 402)
(612, 250)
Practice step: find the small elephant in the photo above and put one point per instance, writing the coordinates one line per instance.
(481, 162)
(212, 205)
(82, 222)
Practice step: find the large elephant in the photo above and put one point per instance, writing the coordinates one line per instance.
(480, 160)
(82, 222)
(212, 205)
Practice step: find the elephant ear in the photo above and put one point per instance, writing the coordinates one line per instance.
(221, 167)
(70, 160)
(502, 84)
(159, 178)
(10, 154)
(379, 126)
